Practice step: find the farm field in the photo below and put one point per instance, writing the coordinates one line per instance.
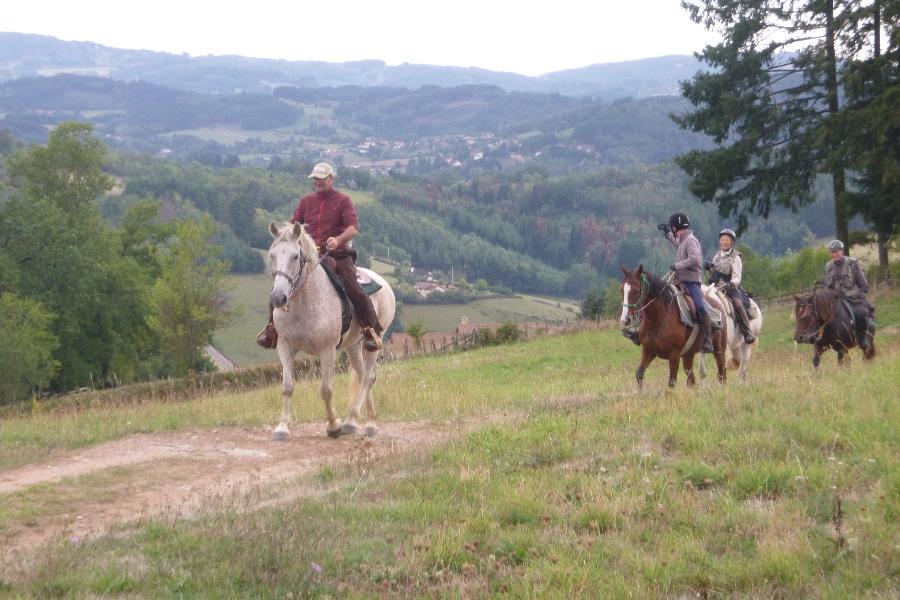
(531, 470)
(250, 294)
(445, 317)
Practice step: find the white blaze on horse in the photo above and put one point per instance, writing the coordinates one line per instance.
(737, 351)
(308, 318)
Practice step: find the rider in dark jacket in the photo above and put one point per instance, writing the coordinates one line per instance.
(843, 273)
(726, 269)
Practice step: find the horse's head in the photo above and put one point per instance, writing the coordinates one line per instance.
(806, 328)
(632, 292)
(290, 253)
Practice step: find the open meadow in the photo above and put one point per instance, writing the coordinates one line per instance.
(531, 470)
(250, 294)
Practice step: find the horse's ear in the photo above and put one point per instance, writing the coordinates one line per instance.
(624, 270)
(297, 230)
(273, 229)
(640, 270)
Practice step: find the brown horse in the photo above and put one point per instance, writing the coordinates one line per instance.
(824, 321)
(661, 332)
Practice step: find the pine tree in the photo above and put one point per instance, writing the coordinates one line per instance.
(772, 102)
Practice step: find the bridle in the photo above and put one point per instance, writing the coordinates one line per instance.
(816, 319)
(645, 288)
(296, 286)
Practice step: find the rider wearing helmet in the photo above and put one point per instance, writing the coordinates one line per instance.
(688, 261)
(843, 273)
(725, 271)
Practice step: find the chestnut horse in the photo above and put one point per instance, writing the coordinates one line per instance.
(661, 332)
(823, 321)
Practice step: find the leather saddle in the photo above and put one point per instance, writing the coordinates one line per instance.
(368, 285)
(688, 312)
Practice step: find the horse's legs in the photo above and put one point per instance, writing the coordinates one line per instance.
(286, 355)
(646, 359)
(817, 355)
(326, 366)
(746, 350)
(363, 366)
(371, 362)
(702, 367)
(720, 364)
(673, 369)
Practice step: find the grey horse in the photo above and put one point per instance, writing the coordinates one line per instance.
(308, 319)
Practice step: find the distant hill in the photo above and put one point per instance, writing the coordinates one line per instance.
(29, 55)
(579, 132)
(130, 109)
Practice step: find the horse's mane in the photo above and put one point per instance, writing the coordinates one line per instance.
(658, 287)
(825, 301)
(304, 240)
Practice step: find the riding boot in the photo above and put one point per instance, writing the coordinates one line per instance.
(372, 340)
(268, 337)
(744, 322)
(706, 332)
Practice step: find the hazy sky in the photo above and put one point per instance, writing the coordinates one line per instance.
(519, 36)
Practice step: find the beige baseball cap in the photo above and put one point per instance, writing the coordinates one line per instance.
(322, 171)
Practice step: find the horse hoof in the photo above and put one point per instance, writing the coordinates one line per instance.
(334, 433)
(281, 434)
(370, 431)
(348, 429)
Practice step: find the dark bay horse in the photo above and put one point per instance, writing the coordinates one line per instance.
(661, 332)
(825, 322)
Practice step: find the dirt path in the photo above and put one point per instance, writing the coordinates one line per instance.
(222, 362)
(84, 493)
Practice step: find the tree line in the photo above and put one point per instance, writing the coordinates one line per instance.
(83, 303)
(798, 91)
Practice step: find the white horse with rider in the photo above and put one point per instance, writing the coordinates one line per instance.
(743, 325)
(308, 318)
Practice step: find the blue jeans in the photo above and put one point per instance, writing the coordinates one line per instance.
(693, 288)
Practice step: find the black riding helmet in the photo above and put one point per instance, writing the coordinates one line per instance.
(679, 221)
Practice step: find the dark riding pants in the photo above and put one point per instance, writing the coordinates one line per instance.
(693, 288)
(362, 304)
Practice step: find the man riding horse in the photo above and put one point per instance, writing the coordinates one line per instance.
(725, 271)
(844, 275)
(330, 218)
(688, 261)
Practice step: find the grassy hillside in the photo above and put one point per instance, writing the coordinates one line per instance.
(581, 488)
(250, 295)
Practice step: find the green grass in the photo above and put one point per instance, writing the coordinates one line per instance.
(582, 488)
(237, 340)
(445, 317)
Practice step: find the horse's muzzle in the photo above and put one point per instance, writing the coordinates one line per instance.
(805, 338)
(278, 298)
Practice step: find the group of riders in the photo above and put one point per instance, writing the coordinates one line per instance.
(330, 218)
(842, 274)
